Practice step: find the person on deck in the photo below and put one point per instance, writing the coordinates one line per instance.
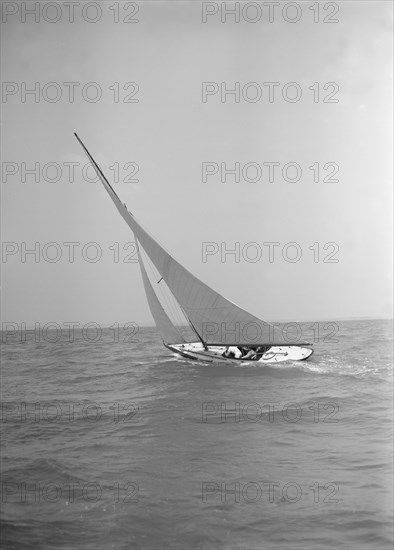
(249, 353)
(262, 349)
(231, 352)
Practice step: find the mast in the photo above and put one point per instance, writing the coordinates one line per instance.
(96, 166)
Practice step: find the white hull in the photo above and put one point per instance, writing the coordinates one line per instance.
(214, 354)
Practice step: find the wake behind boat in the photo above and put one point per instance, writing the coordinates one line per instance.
(223, 332)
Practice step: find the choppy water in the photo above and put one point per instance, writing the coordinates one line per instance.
(165, 467)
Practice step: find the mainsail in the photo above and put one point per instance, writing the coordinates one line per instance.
(166, 328)
(215, 319)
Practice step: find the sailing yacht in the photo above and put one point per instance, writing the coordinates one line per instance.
(222, 331)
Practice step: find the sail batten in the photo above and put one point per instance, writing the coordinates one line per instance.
(216, 319)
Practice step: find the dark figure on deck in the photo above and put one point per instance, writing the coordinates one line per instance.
(249, 353)
(232, 352)
(262, 349)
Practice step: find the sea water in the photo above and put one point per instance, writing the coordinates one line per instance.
(118, 444)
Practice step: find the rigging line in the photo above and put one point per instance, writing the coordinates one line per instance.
(198, 334)
(169, 301)
(192, 327)
(154, 275)
(154, 272)
(144, 265)
(171, 321)
(172, 307)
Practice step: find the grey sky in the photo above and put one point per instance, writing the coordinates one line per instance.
(170, 132)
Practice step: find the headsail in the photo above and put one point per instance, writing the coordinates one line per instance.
(166, 328)
(217, 320)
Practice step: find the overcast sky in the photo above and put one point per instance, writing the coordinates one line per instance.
(170, 132)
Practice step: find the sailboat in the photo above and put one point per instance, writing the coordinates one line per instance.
(221, 331)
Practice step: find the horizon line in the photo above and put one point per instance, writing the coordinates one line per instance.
(143, 325)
